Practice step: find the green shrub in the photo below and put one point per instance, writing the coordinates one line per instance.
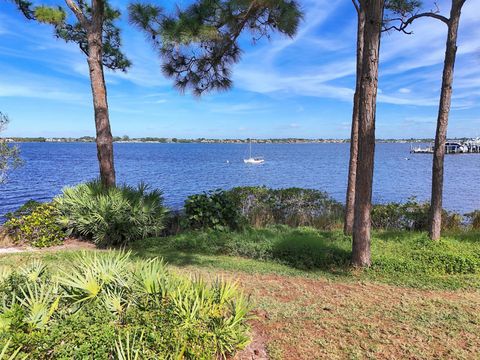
(213, 210)
(25, 209)
(261, 207)
(111, 216)
(36, 225)
(106, 305)
(412, 215)
(292, 206)
(175, 223)
(474, 219)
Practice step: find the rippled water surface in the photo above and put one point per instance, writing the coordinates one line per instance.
(183, 169)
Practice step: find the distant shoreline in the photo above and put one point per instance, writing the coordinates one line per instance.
(208, 141)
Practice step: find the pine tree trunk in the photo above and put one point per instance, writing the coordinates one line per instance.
(352, 168)
(442, 122)
(366, 138)
(104, 137)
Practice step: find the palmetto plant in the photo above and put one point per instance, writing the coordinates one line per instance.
(117, 302)
(128, 347)
(81, 284)
(7, 311)
(186, 317)
(151, 282)
(111, 216)
(5, 272)
(34, 270)
(111, 268)
(40, 300)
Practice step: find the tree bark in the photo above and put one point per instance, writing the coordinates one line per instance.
(366, 138)
(352, 168)
(442, 122)
(104, 137)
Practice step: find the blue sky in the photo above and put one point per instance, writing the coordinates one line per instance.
(299, 87)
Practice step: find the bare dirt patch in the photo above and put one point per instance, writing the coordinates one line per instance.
(319, 319)
(69, 244)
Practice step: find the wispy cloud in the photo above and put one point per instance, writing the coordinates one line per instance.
(282, 86)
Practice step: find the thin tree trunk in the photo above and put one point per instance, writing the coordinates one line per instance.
(352, 168)
(442, 121)
(366, 138)
(99, 91)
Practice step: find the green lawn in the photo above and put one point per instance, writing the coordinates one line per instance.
(401, 258)
(419, 300)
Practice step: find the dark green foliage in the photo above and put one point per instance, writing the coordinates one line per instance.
(26, 8)
(474, 218)
(200, 45)
(175, 223)
(111, 216)
(25, 209)
(403, 8)
(36, 225)
(262, 206)
(106, 306)
(9, 155)
(113, 58)
(215, 210)
(411, 215)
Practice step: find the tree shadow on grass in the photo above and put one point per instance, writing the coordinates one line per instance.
(314, 251)
(156, 247)
(302, 249)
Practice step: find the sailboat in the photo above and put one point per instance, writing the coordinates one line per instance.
(253, 160)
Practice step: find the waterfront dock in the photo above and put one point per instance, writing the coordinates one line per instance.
(471, 146)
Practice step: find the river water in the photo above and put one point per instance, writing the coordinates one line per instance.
(183, 169)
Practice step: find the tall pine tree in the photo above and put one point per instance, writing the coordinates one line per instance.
(98, 37)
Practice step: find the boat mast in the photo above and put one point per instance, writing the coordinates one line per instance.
(250, 148)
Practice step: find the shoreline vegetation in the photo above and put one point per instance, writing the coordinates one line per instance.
(242, 263)
(162, 140)
(236, 273)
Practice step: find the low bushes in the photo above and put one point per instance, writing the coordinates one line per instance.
(108, 306)
(111, 216)
(35, 224)
(216, 210)
(120, 215)
(411, 255)
(260, 207)
(293, 206)
(411, 215)
(474, 218)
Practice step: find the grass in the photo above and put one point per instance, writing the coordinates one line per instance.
(419, 300)
(399, 258)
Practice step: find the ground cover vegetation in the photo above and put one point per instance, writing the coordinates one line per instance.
(106, 305)
(308, 314)
(113, 304)
(297, 228)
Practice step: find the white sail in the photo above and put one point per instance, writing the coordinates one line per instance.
(251, 159)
